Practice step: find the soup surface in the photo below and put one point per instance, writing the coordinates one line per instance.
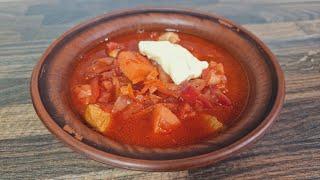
(130, 98)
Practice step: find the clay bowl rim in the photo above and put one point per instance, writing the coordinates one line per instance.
(157, 165)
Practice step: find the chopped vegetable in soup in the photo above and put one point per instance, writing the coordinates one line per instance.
(158, 89)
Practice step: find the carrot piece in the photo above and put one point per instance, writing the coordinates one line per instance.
(130, 91)
(134, 66)
(127, 90)
(145, 88)
(153, 74)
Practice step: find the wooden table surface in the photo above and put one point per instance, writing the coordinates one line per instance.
(290, 149)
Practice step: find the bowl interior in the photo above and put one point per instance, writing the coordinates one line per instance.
(59, 62)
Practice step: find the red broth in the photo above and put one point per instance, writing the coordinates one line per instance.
(140, 131)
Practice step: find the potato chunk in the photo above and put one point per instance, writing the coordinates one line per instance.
(213, 123)
(164, 120)
(97, 118)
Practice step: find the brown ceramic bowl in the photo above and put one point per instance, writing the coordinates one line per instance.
(50, 95)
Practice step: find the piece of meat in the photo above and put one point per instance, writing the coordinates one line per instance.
(107, 85)
(156, 85)
(171, 106)
(134, 66)
(104, 97)
(116, 85)
(132, 110)
(221, 98)
(113, 49)
(107, 75)
(121, 103)
(113, 45)
(214, 74)
(83, 93)
(143, 112)
(100, 65)
(95, 90)
(198, 84)
(169, 36)
(88, 93)
(164, 121)
(192, 96)
(105, 60)
(189, 94)
(185, 111)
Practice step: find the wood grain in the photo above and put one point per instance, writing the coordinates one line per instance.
(289, 150)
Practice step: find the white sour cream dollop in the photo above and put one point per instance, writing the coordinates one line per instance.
(174, 59)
